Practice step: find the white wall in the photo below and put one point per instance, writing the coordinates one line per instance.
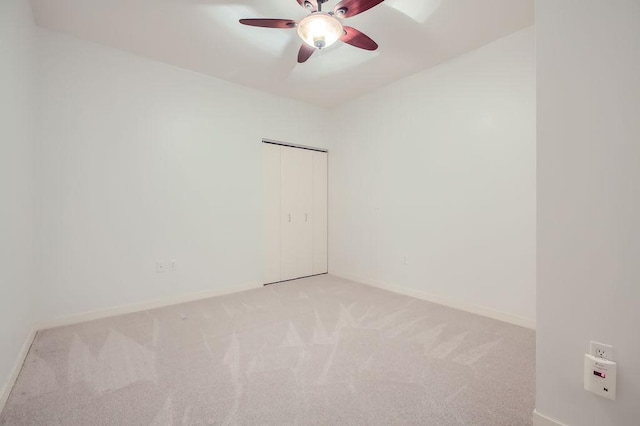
(17, 115)
(144, 162)
(588, 204)
(440, 168)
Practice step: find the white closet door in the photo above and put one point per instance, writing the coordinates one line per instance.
(271, 202)
(319, 213)
(296, 243)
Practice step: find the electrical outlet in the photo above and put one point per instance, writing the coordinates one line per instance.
(601, 350)
(405, 260)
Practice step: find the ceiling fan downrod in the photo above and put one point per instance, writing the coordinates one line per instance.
(320, 3)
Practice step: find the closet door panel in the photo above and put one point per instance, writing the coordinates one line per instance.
(271, 202)
(296, 232)
(319, 243)
(305, 204)
(288, 234)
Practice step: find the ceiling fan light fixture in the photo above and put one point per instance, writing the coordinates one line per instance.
(320, 30)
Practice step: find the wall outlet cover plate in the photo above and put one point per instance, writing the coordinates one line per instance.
(601, 350)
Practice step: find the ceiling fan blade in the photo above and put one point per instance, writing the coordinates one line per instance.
(349, 8)
(269, 23)
(305, 52)
(309, 4)
(358, 39)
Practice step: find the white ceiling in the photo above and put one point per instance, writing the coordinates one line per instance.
(205, 36)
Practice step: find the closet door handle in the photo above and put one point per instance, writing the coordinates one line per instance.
(305, 217)
(289, 217)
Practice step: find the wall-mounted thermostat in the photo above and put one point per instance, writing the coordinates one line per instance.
(600, 376)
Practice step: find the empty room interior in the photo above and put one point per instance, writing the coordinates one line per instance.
(320, 212)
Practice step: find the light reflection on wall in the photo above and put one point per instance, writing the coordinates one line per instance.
(333, 60)
(419, 11)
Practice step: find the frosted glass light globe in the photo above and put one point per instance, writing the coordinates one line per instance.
(320, 30)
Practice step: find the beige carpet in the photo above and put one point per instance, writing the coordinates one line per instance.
(320, 350)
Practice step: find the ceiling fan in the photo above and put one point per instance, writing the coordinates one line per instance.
(322, 29)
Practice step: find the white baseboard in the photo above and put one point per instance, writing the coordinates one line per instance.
(142, 306)
(542, 420)
(479, 310)
(22, 355)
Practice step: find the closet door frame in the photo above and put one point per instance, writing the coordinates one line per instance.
(267, 281)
